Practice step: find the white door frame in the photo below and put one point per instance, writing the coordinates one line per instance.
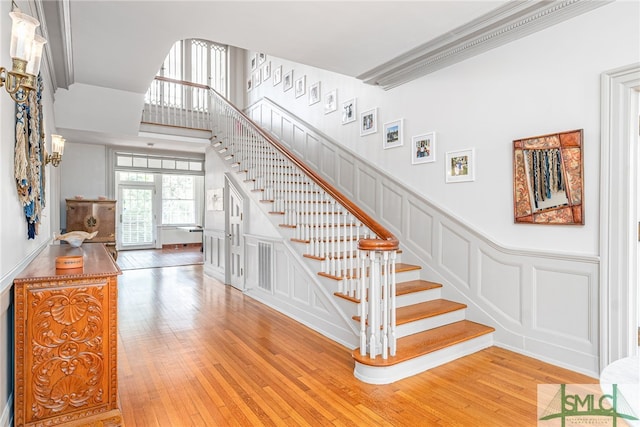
(618, 214)
(229, 188)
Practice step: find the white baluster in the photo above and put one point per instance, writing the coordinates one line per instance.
(384, 278)
(362, 289)
(374, 304)
(392, 309)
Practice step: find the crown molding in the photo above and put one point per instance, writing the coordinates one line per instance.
(504, 24)
(55, 25)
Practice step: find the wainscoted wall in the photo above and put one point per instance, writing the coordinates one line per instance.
(543, 304)
(214, 253)
(294, 290)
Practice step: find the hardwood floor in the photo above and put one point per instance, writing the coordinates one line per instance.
(194, 352)
(154, 258)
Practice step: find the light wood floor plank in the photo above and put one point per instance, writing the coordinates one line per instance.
(194, 352)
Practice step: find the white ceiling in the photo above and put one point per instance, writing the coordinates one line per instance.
(121, 44)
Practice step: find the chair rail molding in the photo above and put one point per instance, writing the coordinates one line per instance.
(619, 171)
(511, 21)
(519, 291)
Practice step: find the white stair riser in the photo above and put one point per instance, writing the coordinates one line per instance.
(390, 374)
(429, 323)
(418, 297)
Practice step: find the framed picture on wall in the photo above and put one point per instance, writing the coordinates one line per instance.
(331, 101)
(301, 86)
(459, 166)
(266, 71)
(423, 148)
(314, 93)
(288, 81)
(261, 58)
(392, 134)
(256, 78)
(277, 75)
(369, 122)
(349, 111)
(249, 84)
(254, 62)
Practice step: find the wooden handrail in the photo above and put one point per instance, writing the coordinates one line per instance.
(386, 241)
(181, 82)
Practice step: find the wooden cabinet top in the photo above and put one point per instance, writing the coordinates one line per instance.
(74, 200)
(97, 263)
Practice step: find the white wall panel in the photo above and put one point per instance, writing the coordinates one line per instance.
(276, 123)
(251, 269)
(562, 304)
(299, 141)
(367, 189)
(419, 228)
(391, 207)
(214, 242)
(282, 274)
(313, 151)
(455, 255)
(287, 129)
(346, 171)
(329, 167)
(501, 287)
(301, 291)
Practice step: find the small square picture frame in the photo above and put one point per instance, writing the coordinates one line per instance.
(349, 111)
(287, 82)
(261, 58)
(277, 75)
(266, 71)
(369, 122)
(314, 93)
(331, 101)
(392, 134)
(423, 148)
(301, 86)
(254, 62)
(460, 166)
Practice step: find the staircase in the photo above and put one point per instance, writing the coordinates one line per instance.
(405, 327)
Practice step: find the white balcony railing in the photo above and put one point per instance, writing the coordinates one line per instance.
(177, 103)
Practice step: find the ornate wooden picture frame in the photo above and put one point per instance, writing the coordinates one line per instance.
(548, 179)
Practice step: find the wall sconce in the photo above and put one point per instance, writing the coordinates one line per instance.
(26, 53)
(57, 147)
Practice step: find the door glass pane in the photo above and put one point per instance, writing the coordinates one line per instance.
(137, 216)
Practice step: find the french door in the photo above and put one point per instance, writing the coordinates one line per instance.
(137, 222)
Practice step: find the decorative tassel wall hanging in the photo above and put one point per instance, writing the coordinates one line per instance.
(545, 173)
(29, 158)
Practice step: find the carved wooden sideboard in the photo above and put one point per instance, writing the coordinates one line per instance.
(94, 215)
(66, 370)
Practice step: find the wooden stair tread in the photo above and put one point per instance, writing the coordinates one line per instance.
(411, 286)
(402, 288)
(400, 268)
(426, 342)
(427, 309)
(423, 310)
